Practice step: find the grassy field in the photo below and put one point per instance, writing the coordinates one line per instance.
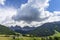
(20, 38)
(3, 37)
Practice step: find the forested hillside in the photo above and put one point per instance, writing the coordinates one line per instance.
(6, 30)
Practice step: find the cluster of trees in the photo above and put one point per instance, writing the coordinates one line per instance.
(5, 30)
(44, 30)
(47, 29)
(50, 38)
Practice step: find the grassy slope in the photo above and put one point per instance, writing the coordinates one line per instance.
(57, 34)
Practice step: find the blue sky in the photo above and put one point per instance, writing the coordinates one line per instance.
(54, 5)
(15, 3)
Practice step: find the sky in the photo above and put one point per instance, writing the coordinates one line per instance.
(29, 12)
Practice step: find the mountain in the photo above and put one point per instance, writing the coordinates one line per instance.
(46, 29)
(24, 30)
(5, 30)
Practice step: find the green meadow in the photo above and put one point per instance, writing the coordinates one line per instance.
(56, 36)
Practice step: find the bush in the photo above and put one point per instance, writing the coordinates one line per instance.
(56, 38)
(50, 38)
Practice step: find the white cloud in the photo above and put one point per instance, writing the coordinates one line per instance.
(57, 13)
(54, 19)
(6, 15)
(2, 2)
(32, 11)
